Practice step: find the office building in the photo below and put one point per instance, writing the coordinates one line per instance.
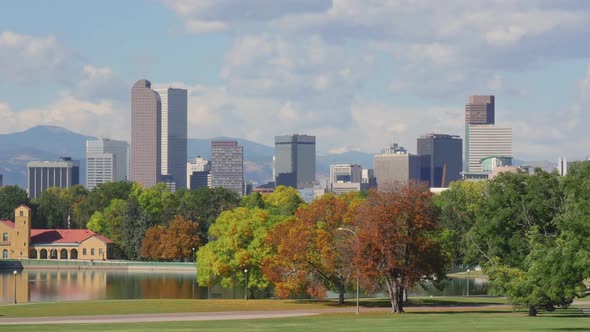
(368, 178)
(199, 165)
(442, 158)
(345, 178)
(227, 165)
(480, 110)
(397, 166)
(484, 141)
(106, 161)
(46, 174)
(294, 164)
(174, 134)
(1, 179)
(146, 138)
(562, 166)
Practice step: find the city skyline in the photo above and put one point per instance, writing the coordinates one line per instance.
(305, 68)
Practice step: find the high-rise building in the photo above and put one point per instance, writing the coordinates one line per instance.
(198, 173)
(227, 165)
(106, 161)
(174, 134)
(480, 110)
(396, 166)
(442, 158)
(1, 179)
(345, 178)
(483, 141)
(368, 178)
(146, 137)
(562, 166)
(47, 174)
(294, 163)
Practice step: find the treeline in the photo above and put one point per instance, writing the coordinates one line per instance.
(529, 232)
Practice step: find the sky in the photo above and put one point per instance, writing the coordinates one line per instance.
(357, 74)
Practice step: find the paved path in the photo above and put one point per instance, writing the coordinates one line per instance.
(226, 315)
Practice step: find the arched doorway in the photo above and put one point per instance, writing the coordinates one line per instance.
(74, 254)
(53, 254)
(63, 254)
(43, 254)
(33, 253)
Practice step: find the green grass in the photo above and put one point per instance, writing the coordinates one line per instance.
(562, 320)
(171, 306)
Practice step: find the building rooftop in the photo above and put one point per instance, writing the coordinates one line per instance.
(46, 236)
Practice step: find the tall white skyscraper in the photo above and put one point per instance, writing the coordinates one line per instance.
(106, 161)
(174, 134)
(562, 166)
(484, 141)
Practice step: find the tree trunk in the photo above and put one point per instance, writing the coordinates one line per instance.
(401, 298)
(532, 311)
(341, 294)
(394, 295)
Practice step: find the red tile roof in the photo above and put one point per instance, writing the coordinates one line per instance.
(45, 236)
(7, 223)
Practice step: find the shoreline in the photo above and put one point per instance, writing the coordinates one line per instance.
(38, 264)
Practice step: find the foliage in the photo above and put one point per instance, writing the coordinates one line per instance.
(254, 200)
(284, 201)
(238, 245)
(135, 223)
(398, 245)
(177, 241)
(309, 252)
(204, 205)
(11, 197)
(98, 199)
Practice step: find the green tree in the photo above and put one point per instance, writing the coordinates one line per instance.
(238, 245)
(204, 205)
(99, 198)
(11, 197)
(284, 201)
(254, 200)
(134, 224)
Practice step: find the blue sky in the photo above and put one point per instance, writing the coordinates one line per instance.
(358, 74)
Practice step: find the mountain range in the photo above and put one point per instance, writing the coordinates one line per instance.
(52, 142)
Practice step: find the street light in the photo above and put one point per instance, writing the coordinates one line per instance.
(358, 272)
(246, 284)
(193, 255)
(14, 285)
(467, 282)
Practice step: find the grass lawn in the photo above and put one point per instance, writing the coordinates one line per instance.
(562, 320)
(171, 306)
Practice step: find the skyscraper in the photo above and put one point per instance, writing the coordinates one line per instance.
(227, 165)
(47, 174)
(146, 138)
(345, 178)
(480, 110)
(442, 154)
(483, 141)
(198, 173)
(396, 165)
(294, 163)
(174, 134)
(106, 161)
(562, 166)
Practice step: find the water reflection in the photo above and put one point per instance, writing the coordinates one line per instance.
(73, 285)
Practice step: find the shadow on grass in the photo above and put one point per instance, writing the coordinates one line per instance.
(447, 312)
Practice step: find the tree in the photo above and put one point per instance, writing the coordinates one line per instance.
(204, 206)
(99, 198)
(11, 197)
(397, 242)
(134, 225)
(237, 244)
(459, 207)
(159, 203)
(53, 208)
(254, 200)
(179, 239)
(284, 201)
(152, 244)
(309, 252)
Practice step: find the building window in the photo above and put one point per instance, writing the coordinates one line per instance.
(22, 213)
(84, 252)
(5, 237)
(5, 253)
(100, 252)
(92, 252)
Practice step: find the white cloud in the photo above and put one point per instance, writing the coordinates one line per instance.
(103, 118)
(32, 60)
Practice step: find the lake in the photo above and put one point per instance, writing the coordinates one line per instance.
(82, 285)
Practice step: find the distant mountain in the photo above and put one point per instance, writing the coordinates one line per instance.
(52, 142)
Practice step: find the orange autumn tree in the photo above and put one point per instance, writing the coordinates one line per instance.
(310, 253)
(174, 242)
(397, 247)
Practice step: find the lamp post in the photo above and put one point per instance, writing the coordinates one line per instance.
(193, 260)
(246, 284)
(358, 272)
(468, 282)
(14, 285)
